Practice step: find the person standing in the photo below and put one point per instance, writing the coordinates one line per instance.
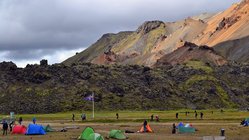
(73, 117)
(196, 115)
(152, 117)
(176, 115)
(117, 116)
(145, 126)
(34, 120)
(202, 115)
(5, 127)
(157, 118)
(11, 125)
(174, 129)
(83, 116)
(20, 120)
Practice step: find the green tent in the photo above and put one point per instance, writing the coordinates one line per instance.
(186, 130)
(86, 133)
(247, 119)
(48, 128)
(95, 136)
(117, 134)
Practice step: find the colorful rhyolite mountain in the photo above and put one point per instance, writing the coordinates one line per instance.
(215, 38)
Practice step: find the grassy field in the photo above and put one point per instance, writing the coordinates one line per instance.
(104, 121)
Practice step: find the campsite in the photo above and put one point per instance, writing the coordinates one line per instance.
(124, 70)
(132, 121)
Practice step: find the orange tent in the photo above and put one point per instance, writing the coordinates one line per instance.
(148, 129)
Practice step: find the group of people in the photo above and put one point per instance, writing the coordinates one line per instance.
(196, 114)
(9, 124)
(156, 117)
(82, 116)
(5, 126)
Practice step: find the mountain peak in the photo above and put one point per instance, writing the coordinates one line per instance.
(149, 25)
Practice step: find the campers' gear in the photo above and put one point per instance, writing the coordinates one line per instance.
(128, 131)
(117, 134)
(19, 129)
(88, 134)
(35, 129)
(72, 127)
(48, 128)
(63, 130)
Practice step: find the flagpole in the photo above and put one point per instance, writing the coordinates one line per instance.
(93, 104)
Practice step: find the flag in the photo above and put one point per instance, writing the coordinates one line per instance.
(89, 98)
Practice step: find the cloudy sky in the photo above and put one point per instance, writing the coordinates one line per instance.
(31, 30)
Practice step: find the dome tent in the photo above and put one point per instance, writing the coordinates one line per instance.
(35, 129)
(117, 134)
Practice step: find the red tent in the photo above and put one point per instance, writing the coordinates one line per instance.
(19, 129)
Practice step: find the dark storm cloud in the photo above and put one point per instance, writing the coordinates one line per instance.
(29, 28)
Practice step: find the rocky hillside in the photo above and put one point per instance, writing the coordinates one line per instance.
(226, 31)
(190, 51)
(56, 88)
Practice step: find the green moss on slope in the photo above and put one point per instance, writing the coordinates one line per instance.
(199, 65)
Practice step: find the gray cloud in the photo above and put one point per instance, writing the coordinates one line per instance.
(31, 29)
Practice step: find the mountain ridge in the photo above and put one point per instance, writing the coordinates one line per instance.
(155, 39)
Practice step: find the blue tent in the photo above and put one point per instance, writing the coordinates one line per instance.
(180, 125)
(35, 129)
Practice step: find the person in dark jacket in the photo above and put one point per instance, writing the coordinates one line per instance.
(20, 120)
(174, 129)
(11, 125)
(177, 115)
(83, 117)
(34, 120)
(202, 115)
(117, 116)
(73, 117)
(145, 124)
(196, 115)
(5, 127)
(152, 117)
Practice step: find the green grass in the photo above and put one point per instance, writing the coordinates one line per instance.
(197, 78)
(138, 116)
(219, 90)
(199, 65)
